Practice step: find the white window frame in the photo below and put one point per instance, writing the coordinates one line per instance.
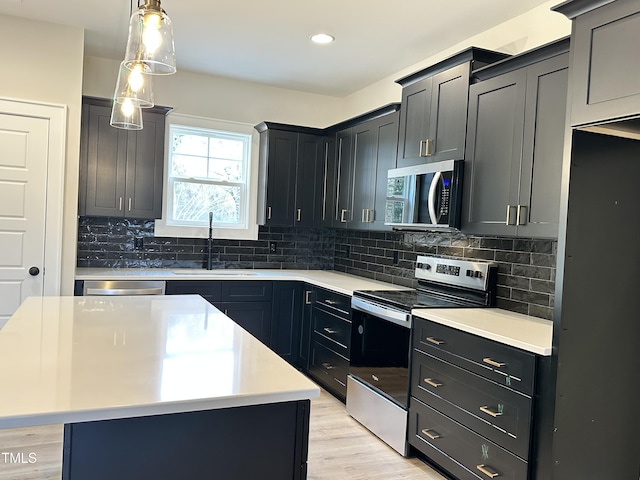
(250, 230)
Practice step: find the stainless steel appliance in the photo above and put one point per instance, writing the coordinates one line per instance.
(378, 381)
(425, 196)
(123, 287)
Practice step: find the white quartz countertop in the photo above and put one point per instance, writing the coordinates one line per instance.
(337, 281)
(521, 331)
(73, 359)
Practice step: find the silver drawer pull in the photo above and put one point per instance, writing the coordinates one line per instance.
(331, 302)
(431, 434)
(328, 366)
(488, 411)
(488, 472)
(330, 331)
(493, 363)
(432, 382)
(435, 341)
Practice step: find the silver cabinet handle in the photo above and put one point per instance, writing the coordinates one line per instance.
(331, 302)
(487, 472)
(435, 341)
(432, 382)
(268, 213)
(432, 436)
(488, 411)
(307, 297)
(427, 147)
(130, 203)
(342, 214)
(330, 331)
(493, 363)
(508, 222)
(364, 215)
(120, 204)
(299, 214)
(520, 218)
(328, 366)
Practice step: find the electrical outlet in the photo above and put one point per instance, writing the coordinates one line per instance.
(138, 243)
(272, 247)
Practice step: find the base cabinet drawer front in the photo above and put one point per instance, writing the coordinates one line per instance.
(333, 302)
(501, 363)
(496, 412)
(333, 331)
(459, 450)
(247, 291)
(329, 368)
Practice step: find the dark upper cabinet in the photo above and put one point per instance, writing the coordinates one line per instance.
(515, 145)
(291, 175)
(326, 201)
(605, 64)
(365, 152)
(433, 118)
(121, 171)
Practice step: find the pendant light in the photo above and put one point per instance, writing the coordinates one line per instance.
(150, 40)
(126, 115)
(134, 84)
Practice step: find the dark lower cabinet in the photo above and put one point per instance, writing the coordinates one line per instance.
(329, 339)
(254, 317)
(305, 328)
(477, 409)
(257, 441)
(286, 320)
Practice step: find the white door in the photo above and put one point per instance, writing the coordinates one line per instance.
(24, 147)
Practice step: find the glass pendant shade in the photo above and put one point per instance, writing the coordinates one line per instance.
(150, 40)
(126, 115)
(134, 84)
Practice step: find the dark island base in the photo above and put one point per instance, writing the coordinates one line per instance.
(262, 441)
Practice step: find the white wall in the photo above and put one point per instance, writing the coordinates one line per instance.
(529, 30)
(220, 98)
(42, 62)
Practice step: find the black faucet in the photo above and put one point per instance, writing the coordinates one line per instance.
(210, 242)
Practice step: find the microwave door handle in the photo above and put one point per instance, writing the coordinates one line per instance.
(433, 189)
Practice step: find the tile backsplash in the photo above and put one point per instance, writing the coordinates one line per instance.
(526, 267)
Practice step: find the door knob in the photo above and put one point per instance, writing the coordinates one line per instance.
(34, 271)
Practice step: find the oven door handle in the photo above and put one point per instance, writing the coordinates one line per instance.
(385, 313)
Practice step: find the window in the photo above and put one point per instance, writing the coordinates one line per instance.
(209, 169)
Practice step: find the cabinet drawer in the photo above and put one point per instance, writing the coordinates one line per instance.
(246, 291)
(334, 331)
(329, 368)
(458, 450)
(335, 302)
(496, 412)
(501, 363)
(210, 290)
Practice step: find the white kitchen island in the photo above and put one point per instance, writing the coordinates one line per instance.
(153, 387)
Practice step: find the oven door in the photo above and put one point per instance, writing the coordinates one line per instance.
(380, 355)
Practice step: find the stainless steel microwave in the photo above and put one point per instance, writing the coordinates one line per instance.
(423, 197)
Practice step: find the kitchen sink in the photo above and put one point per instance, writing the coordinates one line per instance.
(213, 273)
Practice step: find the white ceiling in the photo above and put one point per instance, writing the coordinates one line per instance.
(267, 41)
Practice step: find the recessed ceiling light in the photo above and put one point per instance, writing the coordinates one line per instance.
(322, 38)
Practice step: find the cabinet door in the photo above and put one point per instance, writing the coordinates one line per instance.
(365, 139)
(106, 164)
(494, 146)
(145, 166)
(387, 133)
(415, 120)
(448, 125)
(309, 178)
(281, 175)
(286, 320)
(344, 213)
(326, 209)
(606, 63)
(305, 330)
(254, 317)
(544, 125)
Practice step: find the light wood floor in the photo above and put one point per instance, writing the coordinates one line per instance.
(339, 449)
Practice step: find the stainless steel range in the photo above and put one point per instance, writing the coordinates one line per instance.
(378, 381)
